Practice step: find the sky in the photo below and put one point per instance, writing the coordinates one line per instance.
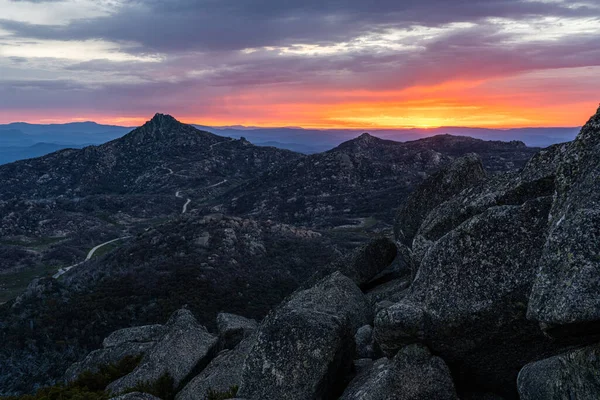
(310, 63)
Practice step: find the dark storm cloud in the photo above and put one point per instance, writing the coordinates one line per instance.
(222, 25)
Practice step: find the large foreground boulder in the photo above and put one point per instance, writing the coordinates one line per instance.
(413, 374)
(305, 347)
(185, 346)
(566, 293)
(223, 373)
(128, 342)
(436, 189)
(574, 375)
(468, 301)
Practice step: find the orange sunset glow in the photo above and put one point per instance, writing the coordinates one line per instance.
(479, 103)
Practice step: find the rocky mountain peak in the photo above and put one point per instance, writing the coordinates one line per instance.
(162, 122)
(364, 141)
(162, 119)
(365, 137)
(161, 127)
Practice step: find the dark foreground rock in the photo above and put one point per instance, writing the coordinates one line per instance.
(469, 299)
(108, 356)
(566, 292)
(305, 347)
(233, 329)
(535, 180)
(224, 372)
(133, 342)
(365, 344)
(413, 374)
(185, 346)
(573, 375)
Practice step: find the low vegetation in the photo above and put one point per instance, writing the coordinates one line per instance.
(89, 386)
(217, 395)
(163, 387)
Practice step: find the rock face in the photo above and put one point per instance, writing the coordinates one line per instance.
(470, 294)
(438, 188)
(306, 346)
(185, 346)
(221, 374)
(566, 289)
(573, 375)
(233, 328)
(134, 342)
(413, 374)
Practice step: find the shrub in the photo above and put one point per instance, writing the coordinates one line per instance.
(163, 387)
(88, 386)
(216, 395)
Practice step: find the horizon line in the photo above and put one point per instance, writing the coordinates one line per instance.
(319, 128)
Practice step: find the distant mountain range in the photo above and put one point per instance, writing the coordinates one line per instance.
(55, 208)
(22, 140)
(365, 177)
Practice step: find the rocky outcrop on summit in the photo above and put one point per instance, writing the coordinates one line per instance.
(413, 374)
(572, 375)
(566, 289)
(185, 346)
(305, 347)
(436, 189)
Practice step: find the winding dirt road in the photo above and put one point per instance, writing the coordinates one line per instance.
(90, 254)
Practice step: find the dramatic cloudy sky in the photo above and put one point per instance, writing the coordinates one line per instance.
(314, 63)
